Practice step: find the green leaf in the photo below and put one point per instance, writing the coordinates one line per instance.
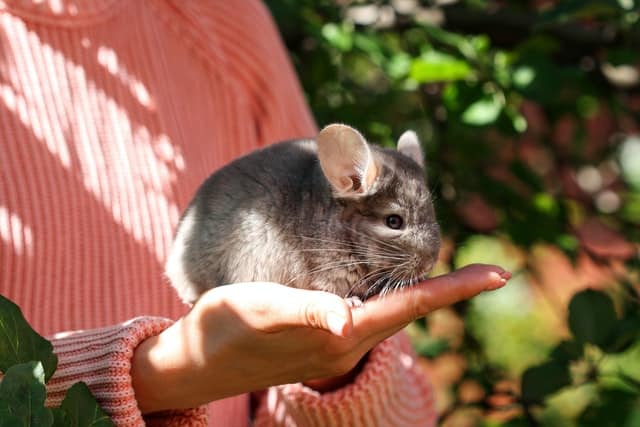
(60, 418)
(592, 317)
(434, 66)
(567, 242)
(571, 10)
(7, 419)
(629, 159)
(524, 75)
(483, 111)
(370, 46)
(524, 173)
(339, 36)
(542, 380)
(81, 409)
(632, 382)
(399, 65)
(431, 347)
(514, 422)
(469, 47)
(626, 4)
(631, 208)
(19, 343)
(567, 351)
(22, 395)
(621, 56)
(614, 408)
(519, 122)
(625, 333)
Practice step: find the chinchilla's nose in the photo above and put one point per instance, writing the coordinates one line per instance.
(426, 263)
(429, 254)
(433, 243)
(423, 262)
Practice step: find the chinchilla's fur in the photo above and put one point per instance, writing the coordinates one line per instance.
(334, 214)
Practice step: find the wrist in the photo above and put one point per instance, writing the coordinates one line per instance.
(157, 373)
(325, 385)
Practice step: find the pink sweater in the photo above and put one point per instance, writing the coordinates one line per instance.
(112, 112)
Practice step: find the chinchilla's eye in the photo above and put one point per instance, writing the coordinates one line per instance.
(394, 221)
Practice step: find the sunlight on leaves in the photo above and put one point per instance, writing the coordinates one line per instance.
(19, 343)
(22, 396)
(434, 66)
(483, 112)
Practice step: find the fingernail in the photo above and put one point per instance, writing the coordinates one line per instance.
(504, 277)
(496, 285)
(337, 323)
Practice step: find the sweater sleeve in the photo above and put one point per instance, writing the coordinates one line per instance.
(102, 359)
(390, 391)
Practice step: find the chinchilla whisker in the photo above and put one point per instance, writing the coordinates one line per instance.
(393, 249)
(321, 240)
(384, 244)
(390, 257)
(341, 247)
(363, 280)
(392, 252)
(372, 290)
(388, 245)
(388, 286)
(370, 275)
(327, 267)
(388, 250)
(375, 273)
(354, 251)
(399, 284)
(320, 250)
(372, 256)
(396, 280)
(383, 253)
(336, 264)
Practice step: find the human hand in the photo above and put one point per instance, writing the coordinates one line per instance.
(249, 336)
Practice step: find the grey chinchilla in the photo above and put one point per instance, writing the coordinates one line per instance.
(333, 214)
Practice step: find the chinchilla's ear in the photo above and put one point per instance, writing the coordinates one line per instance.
(346, 160)
(409, 145)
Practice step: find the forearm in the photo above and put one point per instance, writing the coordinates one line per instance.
(184, 368)
(102, 358)
(161, 372)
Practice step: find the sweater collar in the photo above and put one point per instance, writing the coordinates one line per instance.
(61, 12)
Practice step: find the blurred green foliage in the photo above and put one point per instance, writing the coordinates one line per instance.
(529, 112)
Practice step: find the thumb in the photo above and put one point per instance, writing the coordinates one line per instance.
(283, 307)
(319, 309)
(328, 312)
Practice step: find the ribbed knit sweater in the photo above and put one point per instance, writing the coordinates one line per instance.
(112, 113)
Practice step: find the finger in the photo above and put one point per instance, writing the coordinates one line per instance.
(272, 307)
(381, 316)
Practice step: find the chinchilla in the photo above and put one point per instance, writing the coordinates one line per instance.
(334, 214)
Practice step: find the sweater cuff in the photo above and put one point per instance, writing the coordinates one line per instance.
(390, 391)
(102, 359)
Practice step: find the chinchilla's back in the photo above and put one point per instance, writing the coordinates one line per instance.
(244, 221)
